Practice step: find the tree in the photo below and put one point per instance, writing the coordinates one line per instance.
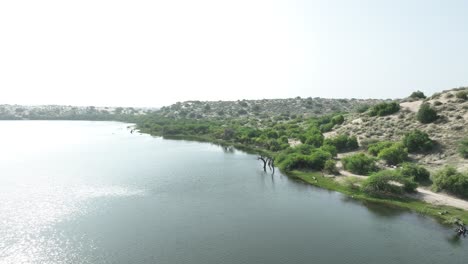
(315, 161)
(395, 154)
(418, 95)
(383, 182)
(374, 149)
(384, 109)
(359, 164)
(450, 180)
(426, 114)
(417, 140)
(338, 120)
(414, 171)
(343, 142)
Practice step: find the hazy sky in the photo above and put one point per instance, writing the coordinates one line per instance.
(154, 53)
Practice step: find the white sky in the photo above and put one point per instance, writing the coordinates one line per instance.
(154, 53)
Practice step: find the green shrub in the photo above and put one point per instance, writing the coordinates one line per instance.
(330, 149)
(362, 108)
(343, 142)
(330, 167)
(414, 171)
(450, 180)
(338, 120)
(381, 183)
(359, 164)
(315, 161)
(384, 109)
(417, 140)
(326, 127)
(315, 139)
(395, 154)
(418, 95)
(375, 148)
(462, 95)
(274, 145)
(463, 148)
(303, 149)
(426, 114)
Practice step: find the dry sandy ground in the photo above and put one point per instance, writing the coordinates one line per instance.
(412, 106)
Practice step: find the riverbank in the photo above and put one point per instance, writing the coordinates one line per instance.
(445, 214)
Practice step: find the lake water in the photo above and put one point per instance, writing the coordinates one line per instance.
(92, 192)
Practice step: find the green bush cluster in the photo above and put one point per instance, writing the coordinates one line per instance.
(462, 95)
(384, 109)
(359, 164)
(383, 183)
(327, 124)
(362, 108)
(392, 152)
(426, 114)
(395, 154)
(417, 140)
(463, 148)
(375, 148)
(330, 167)
(414, 171)
(418, 95)
(450, 180)
(343, 143)
(314, 161)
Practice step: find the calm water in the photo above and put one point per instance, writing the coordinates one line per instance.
(91, 192)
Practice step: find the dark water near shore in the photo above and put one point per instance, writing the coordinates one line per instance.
(91, 192)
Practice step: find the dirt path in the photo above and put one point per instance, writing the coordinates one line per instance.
(439, 198)
(421, 194)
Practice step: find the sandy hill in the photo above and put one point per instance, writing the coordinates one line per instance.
(447, 130)
(264, 108)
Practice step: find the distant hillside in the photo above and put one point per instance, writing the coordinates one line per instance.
(62, 112)
(448, 130)
(264, 108)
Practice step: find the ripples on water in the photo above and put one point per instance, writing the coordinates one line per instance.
(30, 213)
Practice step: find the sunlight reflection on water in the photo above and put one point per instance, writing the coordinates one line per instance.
(30, 212)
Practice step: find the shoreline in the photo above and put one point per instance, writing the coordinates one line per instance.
(445, 214)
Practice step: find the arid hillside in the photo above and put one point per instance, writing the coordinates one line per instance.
(447, 130)
(264, 108)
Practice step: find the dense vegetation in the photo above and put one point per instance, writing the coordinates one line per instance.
(343, 143)
(415, 172)
(383, 183)
(384, 109)
(270, 137)
(394, 154)
(359, 164)
(450, 180)
(417, 140)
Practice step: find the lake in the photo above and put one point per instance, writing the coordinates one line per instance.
(92, 192)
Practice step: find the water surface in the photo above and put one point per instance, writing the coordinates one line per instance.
(92, 192)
